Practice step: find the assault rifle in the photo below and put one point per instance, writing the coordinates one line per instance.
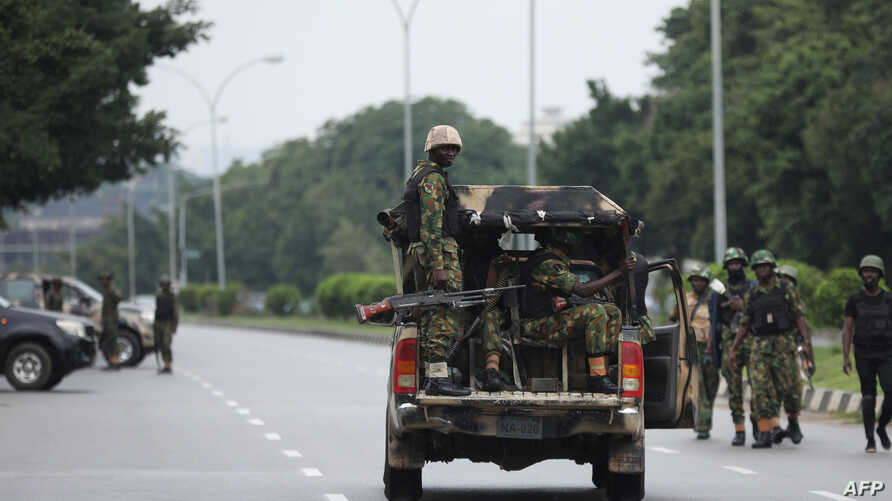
(429, 299)
(559, 303)
(806, 365)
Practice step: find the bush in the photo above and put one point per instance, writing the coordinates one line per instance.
(282, 299)
(830, 297)
(337, 294)
(188, 297)
(227, 299)
(207, 298)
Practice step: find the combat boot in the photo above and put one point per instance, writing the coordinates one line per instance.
(702, 435)
(871, 446)
(755, 427)
(443, 386)
(600, 384)
(778, 434)
(793, 430)
(491, 380)
(884, 437)
(739, 438)
(763, 440)
(885, 417)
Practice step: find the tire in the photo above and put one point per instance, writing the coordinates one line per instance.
(399, 484)
(28, 367)
(625, 486)
(600, 474)
(55, 379)
(129, 348)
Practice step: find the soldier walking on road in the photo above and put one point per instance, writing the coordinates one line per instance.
(432, 223)
(699, 312)
(724, 326)
(109, 341)
(54, 300)
(870, 312)
(772, 311)
(166, 320)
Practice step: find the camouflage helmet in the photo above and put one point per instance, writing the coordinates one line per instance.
(789, 271)
(735, 253)
(701, 272)
(104, 275)
(442, 135)
(872, 261)
(165, 279)
(763, 256)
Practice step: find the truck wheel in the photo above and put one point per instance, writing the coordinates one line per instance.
(54, 380)
(129, 348)
(28, 367)
(399, 484)
(599, 474)
(625, 486)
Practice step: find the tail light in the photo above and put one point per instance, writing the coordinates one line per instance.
(633, 370)
(404, 370)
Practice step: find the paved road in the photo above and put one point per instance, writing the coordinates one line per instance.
(255, 415)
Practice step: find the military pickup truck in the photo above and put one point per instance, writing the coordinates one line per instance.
(546, 414)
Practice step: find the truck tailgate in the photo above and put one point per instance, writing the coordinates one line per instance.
(550, 400)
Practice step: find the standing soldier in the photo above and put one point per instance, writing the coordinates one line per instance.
(110, 299)
(54, 299)
(432, 224)
(772, 312)
(870, 311)
(166, 320)
(724, 325)
(699, 312)
(789, 274)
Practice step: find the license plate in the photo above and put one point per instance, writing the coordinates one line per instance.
(520, 427)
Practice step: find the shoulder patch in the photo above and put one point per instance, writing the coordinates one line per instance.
(559, 268)
(427, 188)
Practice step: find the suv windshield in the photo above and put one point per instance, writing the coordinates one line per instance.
(86, 289)
(3, 302)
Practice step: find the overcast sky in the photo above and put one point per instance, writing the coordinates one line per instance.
(342, 55)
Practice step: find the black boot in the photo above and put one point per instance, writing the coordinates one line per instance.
(600, 384)
(703, 435)
(763, 440)
(793, 430)
(871, 446)
(739, 438)
(491, 380)
(885, 416)
(868, 415)
(778, 434)
(443, 386)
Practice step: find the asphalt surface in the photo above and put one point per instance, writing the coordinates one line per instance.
(258, 415)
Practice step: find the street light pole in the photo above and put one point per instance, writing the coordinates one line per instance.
(72, 239)
(531, 148)
(718, 134)
(131, 242)
(212, 108)
(171, 228)
(406, 20)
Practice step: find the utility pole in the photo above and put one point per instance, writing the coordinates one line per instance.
(406, 20)
(35, 251)
(72, 240)
(131, 242)
(171, 227)
(718, 135)
(183, 259)
(531, 148)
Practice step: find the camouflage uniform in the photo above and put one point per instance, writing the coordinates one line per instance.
(53, 300)
(709, 376)
(734, 377)
(110, 299)
(433, 252)
(773, 365)
(166, 321)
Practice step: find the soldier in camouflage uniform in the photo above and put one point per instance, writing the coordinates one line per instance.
(109, 341)
(54, 300)
(547, 275)
(166, 321)
(772, 312)
(698, 309)
(725, 317)
(432, 221)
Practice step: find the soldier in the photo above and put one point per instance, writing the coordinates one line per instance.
(789, 274)
(54, 299)
(110, 299)
(432, 223)
(166, 320)
(725, 316)
(699, 312)
(870, 312)
(547, 275)
(772, 311)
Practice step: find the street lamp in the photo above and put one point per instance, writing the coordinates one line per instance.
(405, 20)
(212, 108)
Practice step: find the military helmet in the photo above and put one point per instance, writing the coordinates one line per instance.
(105, 275)
(763, 256)
(441, 135)
(789, 271)
(165, 279)
(735, 253)
(872, 261)
(701, 272)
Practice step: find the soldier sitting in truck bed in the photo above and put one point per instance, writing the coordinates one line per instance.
(547, 275)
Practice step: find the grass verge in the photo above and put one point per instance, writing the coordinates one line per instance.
(829, 374)
(297, 323)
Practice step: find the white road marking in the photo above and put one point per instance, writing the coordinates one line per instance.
(381, 372)
(742, 471)
(291, 453)
(272, 436)
(664, 450)
(311, 472)
(255, 422)
(217, 393)
(336, 497)
(243, 411)
(232, 403)
(830, 495)
(361, 368)
(340, 363)
(196, 378)
(207, 386)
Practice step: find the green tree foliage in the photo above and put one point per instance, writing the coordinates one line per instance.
(282, 299)
(337, 294)
(67, 72)
(830, 297)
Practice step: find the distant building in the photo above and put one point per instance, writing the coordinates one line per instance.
(550, 121)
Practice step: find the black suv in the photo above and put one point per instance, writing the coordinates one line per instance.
(38, 348)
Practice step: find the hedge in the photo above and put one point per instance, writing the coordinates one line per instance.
(282, 299)
(207, 298)
(337, 294)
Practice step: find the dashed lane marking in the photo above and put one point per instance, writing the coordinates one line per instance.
(291, 453)
(243, 411)
(664, 450)
(255, 422)
(742, 471)
(830, 495)
(361, 368)
(196, 378)
(336, 497)
(272, 436)
(311, 472)
(207, 386)
(217, 393)
(232, 403)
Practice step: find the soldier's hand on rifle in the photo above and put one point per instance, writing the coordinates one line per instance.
(628, 263)
(439, 279)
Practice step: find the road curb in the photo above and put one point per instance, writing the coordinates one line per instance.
(817, 400)
(326, 333)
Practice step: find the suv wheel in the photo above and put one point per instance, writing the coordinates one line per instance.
(625, 486)
(28, 367)
(399, 484)
(129, 349)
